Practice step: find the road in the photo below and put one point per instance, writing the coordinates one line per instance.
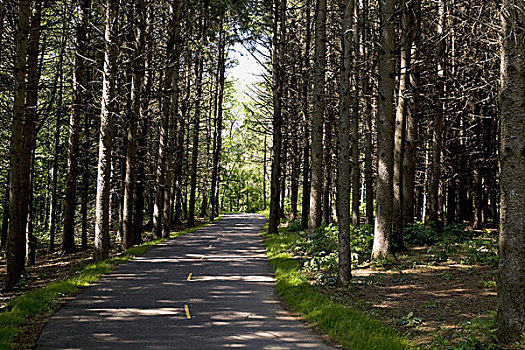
(210, 289)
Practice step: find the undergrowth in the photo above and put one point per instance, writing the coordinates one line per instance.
(353, 329)
(46, 300)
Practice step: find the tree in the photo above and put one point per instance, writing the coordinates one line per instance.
(383, 223)
(316, 183)
(343, 145)
(278, 56)
(511, 282)
(15, 249)
(77, 108)
(106, 132)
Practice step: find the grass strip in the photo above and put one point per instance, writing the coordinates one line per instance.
(352, 329)
(46, 300)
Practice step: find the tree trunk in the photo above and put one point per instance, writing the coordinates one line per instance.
(432, 207)
(383, 224)
(305, 209)
(102, 211)
(318, 117)
(139, 20)
(15, 249)
(199, 67)
(162, 157)
(412, 130)
(78, 107)
(511, 282)
(278, 56)
(343, 146)
(356, 173)
(402, 111)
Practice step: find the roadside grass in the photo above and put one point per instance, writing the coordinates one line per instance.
(45, 301)
(352, 329)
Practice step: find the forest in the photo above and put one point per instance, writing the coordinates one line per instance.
(384, 140)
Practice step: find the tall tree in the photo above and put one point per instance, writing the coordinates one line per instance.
(511, 282)
(383, 224)
(106, 132)
(139, 28)
(15, 249)
(318, 116)
(406, 38)
(343, 145)
(278, 56)
(78, 107)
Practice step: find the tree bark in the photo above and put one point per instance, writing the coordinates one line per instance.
(139, 20)
(318, 117)
(412, 130)
(402, 111)
(217, 148)
(305, 209)
(511, 276)
(199, 68)
(343, 146)
(432, 207)
(383, 224)
(102, 211)
(15, 249)
(278, 56)
(77, 108)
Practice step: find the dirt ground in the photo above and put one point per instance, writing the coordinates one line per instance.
(438, 306)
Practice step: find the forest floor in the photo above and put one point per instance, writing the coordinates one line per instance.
(441, 296)
(438, 306)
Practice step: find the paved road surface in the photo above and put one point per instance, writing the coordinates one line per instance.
(209, 289)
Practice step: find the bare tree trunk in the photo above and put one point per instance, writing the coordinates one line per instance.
(511, 283)
(217, 145)
(402, 110)
(199, 68)
(77, 108)
(33, 77)
(162, 160)
(343, 146)
(167, 214)
(305, 209)
(139, 20)
(432, 208)
(318, 117)
(356, 174)
(15, 250)
(412, 131)
(106, 132)
(278, 56)
(383, 224)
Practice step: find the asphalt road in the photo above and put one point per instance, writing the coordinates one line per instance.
(210, 289)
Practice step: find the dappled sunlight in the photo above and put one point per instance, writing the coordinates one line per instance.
(213, 288)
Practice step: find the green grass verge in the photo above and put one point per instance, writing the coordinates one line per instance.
(352, 329)
(46, 300)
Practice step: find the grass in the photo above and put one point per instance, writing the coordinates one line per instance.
(352, 329)
(46, 300)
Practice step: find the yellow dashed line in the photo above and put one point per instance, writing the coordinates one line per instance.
(187, 310)
(189, 276)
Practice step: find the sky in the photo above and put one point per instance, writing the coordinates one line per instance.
(247, 71)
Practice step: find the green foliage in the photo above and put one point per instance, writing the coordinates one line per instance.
(353, 329)
(419, 233)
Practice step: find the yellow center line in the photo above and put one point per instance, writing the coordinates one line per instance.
(187, 310)
(189, 276)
